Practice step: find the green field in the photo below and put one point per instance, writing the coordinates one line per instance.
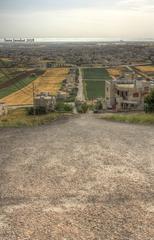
(94, 82)
(17, 86)
(95, 73)
(94, 89)
(11, 72)
(141, 118)
(2, 78)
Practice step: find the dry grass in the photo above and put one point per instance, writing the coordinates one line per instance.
(140, 118)
(50, 81)
(6, 59)
(115, 72)
(20, 118)
(146, 69)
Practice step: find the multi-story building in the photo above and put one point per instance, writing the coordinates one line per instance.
(46, 101)
(126, 95)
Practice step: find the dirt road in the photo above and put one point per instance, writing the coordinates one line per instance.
(80, 95)
(82, 178)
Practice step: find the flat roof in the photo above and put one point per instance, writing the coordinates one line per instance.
(125, 86)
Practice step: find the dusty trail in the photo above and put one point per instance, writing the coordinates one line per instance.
(80, 95)
(81, 178)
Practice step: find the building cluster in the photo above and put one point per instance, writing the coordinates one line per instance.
(80, 54)
(67, 93)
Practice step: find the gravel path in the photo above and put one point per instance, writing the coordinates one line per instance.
(81, 178)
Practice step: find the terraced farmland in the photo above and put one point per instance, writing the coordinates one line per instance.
(94, 82)
(16, 79)
(11, 72)
(146, 69)
(14, 87)
(50, 81)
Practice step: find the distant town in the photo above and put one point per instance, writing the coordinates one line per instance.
(117, 74)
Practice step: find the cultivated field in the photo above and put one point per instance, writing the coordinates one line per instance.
(9, 72)
(95, 73)
(115, 72)
(146, 69)
(13, 87)
(94, 82)
(94, 89)
(48, 82)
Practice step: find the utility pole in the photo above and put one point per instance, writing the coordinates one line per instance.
(34, 109)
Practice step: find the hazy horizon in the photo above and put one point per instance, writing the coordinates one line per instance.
(122, 19)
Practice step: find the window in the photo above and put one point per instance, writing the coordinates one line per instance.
(136, 94)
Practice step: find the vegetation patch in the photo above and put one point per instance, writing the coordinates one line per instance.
(95, 73)
(63, 107)
(146, 69)
(94, 82)
(82, 107)
(141, 118)
(20, 118)
(50, 82)
(15, 87)
(94, 89)
(10, 73)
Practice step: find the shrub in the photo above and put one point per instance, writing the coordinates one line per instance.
(82, 107)
(149, 102)
(38, 110)
(99, 105)
(63, 107)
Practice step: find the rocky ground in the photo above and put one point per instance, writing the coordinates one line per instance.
(81, 178)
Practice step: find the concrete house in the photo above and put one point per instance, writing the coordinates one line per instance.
(126, 95)
(45, 100)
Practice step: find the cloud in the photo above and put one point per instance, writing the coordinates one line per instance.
(72, 18)
(137, 5)
(35, 5)
(46, 5)
(79, 23)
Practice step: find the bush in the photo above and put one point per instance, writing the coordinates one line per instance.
(63, 107)
(82, 107)
(99, 105)
(38, 110)
(149, 102)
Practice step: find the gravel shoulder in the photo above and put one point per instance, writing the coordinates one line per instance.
(78, 178)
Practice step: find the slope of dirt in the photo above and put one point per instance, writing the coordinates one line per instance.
(81, 178)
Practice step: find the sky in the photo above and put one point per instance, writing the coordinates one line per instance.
(122, 19)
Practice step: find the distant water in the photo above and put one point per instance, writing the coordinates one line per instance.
(76, 39)
(48, 40)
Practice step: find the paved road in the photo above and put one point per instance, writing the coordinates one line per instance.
(80, 95)
(82, 178)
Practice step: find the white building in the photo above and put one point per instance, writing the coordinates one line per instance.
(3, 109)
(126, 95)
(45, 100)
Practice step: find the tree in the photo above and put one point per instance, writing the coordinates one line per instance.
(149, 102)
